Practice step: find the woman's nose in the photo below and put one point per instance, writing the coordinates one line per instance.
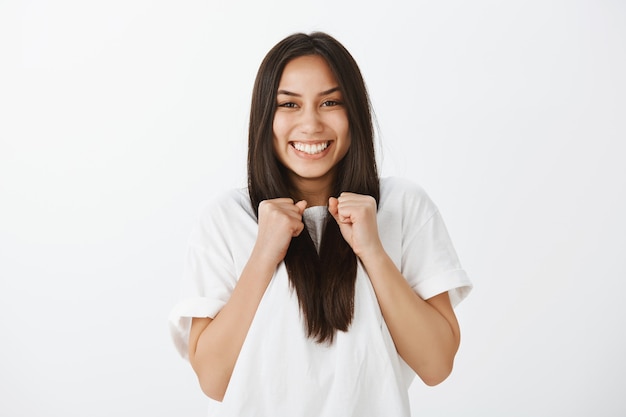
(310, 121)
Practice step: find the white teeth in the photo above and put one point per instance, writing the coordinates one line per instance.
(310, 149)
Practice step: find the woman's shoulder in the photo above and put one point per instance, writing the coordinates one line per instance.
(403, 190)
(405, 201)
(227, 205)
(228, 199)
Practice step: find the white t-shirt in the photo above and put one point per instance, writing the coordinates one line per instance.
(281, 372)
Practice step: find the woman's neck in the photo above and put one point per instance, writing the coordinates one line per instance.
(315, 192)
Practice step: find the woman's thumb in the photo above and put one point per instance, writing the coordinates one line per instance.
(301, 205)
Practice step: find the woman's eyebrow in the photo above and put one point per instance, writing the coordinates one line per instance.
(288, 93)
(291, 93)
(330, 91)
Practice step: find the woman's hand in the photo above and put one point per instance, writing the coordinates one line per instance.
(356, 216)
(280, 220)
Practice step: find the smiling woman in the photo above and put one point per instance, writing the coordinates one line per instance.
(321, 290)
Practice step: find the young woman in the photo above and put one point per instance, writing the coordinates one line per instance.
(321, 290)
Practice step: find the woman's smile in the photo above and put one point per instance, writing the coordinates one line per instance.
(311, 148)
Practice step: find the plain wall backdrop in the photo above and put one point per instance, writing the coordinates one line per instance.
(120, 119)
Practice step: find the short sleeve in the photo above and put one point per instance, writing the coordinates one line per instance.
(429, 261)
(209, 274)
(431, 265)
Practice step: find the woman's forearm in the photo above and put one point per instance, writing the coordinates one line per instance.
(214, 345)
(425, 333)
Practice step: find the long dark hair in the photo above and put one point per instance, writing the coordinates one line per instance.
(324, 282)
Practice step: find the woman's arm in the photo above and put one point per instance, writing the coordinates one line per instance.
(426, 333)
(214, 344)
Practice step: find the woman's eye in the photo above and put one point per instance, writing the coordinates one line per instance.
(330, 103)
(289, 105)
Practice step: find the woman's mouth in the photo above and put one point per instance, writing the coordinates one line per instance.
(310, 148)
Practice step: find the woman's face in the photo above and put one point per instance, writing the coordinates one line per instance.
(311, 130)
